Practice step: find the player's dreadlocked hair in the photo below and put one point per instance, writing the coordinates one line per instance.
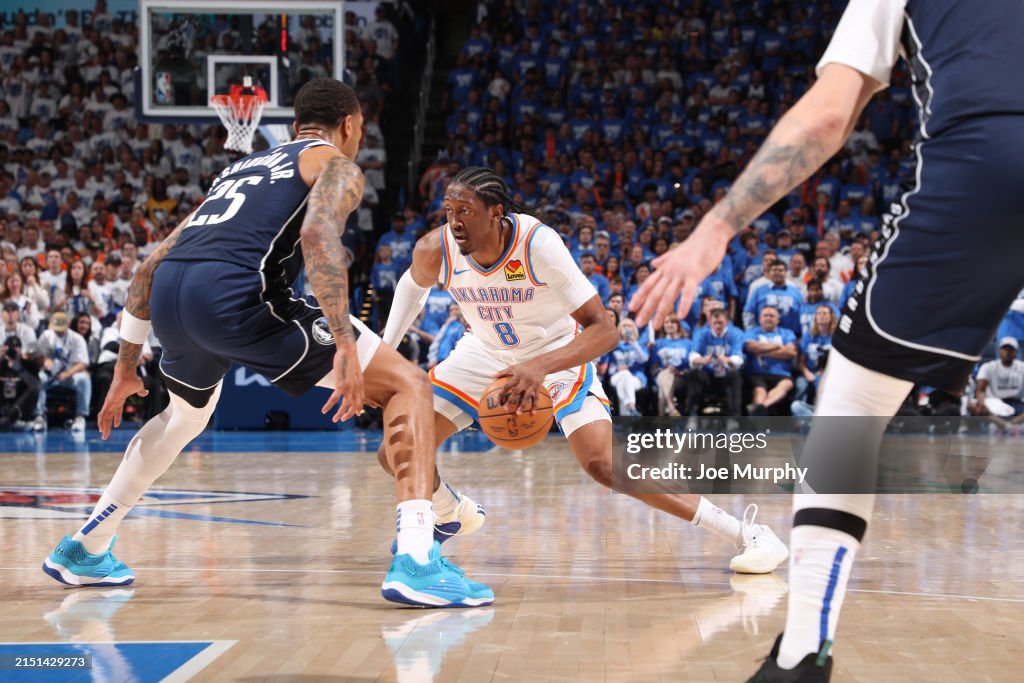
(324, 101)
(490, 188)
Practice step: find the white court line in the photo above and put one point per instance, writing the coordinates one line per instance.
(265, 570)
(202, 660)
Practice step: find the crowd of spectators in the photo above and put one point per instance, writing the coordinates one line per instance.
(87, 192)
(622, 123)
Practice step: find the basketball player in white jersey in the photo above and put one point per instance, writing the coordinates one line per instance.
(536, 319)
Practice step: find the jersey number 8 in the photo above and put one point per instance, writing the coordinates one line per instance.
(506, 334)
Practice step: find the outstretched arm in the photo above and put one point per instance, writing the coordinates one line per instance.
(335, 194)
(808, 134)
(805, 138)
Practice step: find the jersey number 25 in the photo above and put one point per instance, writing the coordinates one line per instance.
(230, 189)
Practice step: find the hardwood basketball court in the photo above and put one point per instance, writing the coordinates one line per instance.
(260, 556)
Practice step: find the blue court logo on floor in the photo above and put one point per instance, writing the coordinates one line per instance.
(114, 661)
(76, 502)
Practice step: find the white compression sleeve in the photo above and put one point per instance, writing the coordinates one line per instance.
(407, 304)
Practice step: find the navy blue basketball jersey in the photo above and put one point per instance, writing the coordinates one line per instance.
(966, 59)
(252, 215)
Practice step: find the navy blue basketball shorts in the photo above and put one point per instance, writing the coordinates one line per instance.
(208, 315)
(950, 260)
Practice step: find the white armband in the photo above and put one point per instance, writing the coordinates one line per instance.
(406, 305)
(134, 330)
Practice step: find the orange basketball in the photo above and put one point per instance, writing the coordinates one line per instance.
(508, 430)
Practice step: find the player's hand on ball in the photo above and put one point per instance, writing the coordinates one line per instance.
(125, 383)
(348, 384)
(524, 382)
(681, 269)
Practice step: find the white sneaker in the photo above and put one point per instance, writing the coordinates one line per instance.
(78, 426)
(39, 424)
(467, 519)
(762, 551)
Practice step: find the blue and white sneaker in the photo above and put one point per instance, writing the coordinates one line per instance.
(70, 563)
(438, 583)
(469, 516)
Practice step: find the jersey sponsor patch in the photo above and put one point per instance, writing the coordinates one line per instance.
(514, 271)
(322, 332)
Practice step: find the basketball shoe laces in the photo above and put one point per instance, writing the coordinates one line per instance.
(750, 538)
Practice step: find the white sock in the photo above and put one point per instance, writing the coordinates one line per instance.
(821, 557)
(713, 518)
(98, 532)
(446, 501)
(820, 560)
(416, 529)
(150, 452)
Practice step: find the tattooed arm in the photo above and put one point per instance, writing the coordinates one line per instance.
(126, 381)
(808, 134)
(806, 137)
(335, 194)
(137, 300)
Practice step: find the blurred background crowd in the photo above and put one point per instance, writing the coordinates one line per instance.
(620, 123)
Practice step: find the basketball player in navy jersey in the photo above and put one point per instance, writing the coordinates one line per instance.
(218, 290)
(924, 310)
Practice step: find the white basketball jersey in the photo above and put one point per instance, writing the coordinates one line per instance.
(524, 302)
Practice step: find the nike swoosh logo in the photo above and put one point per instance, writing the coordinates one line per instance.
(460, 272)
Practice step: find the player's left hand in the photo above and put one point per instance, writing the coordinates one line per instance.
(524, 382)
(125, 383)
(681, 269)
(348, 384)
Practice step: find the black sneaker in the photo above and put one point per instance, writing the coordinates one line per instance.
(814, 668)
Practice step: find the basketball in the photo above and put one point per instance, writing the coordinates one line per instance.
(508, 430)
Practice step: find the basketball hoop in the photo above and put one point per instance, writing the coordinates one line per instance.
(240, 112)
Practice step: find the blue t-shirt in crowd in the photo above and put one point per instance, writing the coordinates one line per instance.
(401, 247)
(707, 343)
(672, 352)
(435, 310)
(786, 298)
(764, 365)
(634, 356)
(807, 311)
(384, 276)
(813, 347)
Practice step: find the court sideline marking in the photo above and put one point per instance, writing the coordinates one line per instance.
(266, 570)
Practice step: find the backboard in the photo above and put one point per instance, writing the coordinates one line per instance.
(191, 50)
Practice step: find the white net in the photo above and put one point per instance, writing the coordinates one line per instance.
(240, 115)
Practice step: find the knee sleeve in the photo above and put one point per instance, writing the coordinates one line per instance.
(181, 409)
